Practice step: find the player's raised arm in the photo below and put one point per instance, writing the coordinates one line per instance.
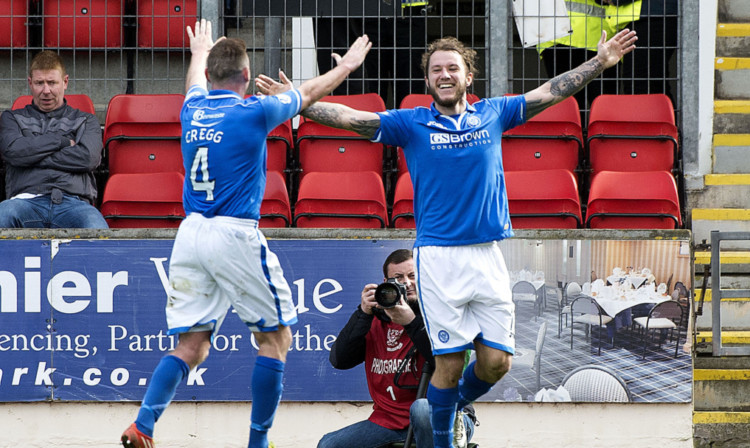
(330, 114)
(564, 85)
(201, 43)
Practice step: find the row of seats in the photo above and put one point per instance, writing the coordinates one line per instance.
(97, 23)
(340, 175)
(628, 161)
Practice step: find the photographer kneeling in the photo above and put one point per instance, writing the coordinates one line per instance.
(391, 339)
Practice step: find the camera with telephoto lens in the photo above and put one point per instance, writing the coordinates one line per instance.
(389, 293)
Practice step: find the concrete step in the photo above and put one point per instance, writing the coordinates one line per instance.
(718, 429)
(731, 190)
(731, 153)
(731, 116)
(734, 11)
(721, 390)
(704, 220)
(731, 78)
(733, 39)
(735, 312)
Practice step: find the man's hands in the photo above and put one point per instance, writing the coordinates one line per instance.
(268, 86)
(356, 54)
(611, 51)
(401, 314)
(351, 61)
(201, 41)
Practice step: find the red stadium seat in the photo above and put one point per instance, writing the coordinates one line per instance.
(162, 23)
(632, 133)
(325, 149)
(630, 200)
(142, 133)
(79, 101)
(545, 199)
(83, 24)
(403, 203)
(275, 210)
(341, 200)
(551, 140)
(13, 22)
(279, 144)
(150, 200)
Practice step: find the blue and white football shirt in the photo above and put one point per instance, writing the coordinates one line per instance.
(456, 168)
(224, 149)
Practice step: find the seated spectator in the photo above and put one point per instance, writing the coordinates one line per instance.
(50, 151)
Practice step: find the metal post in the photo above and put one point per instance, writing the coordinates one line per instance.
(498, 61)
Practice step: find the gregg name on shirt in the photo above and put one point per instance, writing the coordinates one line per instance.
(205, 131)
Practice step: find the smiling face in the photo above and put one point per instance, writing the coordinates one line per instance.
(447, 79)
(405, 273)
(48, 88)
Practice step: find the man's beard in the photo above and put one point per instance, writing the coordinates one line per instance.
(450, 102)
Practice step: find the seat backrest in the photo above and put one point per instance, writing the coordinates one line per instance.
(143, 115)
(648, 192)
(667, 310)
(162, 23)
(413, 100)
(321, 150)
(654, 108)
(543, 199)
(68, 24)
(584, 305)
(523, 287)
(572, 289)
(596, 383)
(13, 20)
(79, 101)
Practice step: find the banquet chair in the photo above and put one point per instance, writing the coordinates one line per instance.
(596, 383)
(525, 292)
(585, 310)
(664, 317)
(532, 359)
(684, 294)
(569, 292)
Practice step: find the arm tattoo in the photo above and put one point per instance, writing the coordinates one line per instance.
(570, 82)
(338, 116)
(566, 84)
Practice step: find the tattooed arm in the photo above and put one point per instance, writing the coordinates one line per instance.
(562, 86)
(329, 114)
(344, 117)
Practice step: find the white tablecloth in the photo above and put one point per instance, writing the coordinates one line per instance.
(621, 300)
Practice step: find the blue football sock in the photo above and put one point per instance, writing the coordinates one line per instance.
(470, 387)
(164, 381)
(267, 388)
(443, 403)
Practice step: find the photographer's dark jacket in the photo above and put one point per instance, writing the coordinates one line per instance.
(38, 156)
(383, 346)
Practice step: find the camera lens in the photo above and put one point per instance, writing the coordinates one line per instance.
(387, 295)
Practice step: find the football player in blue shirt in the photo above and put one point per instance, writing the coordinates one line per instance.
(461, 209)
(220, 258)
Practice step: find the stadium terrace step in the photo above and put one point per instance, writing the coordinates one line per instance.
(731, 116)
(733, 39)
(735, 312)
(731, 78)
(704, 220)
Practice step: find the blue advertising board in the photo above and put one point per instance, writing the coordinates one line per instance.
(84, 320)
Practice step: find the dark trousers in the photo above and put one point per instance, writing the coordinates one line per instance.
(647, 69)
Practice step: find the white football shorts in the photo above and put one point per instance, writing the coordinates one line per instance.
(221, 262)
(464, 293)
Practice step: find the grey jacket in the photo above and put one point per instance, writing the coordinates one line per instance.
(38, 156)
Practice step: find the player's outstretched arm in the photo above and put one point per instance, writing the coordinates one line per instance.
(314, 89)
(201, 43)
(562, 86)
(330, 114)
